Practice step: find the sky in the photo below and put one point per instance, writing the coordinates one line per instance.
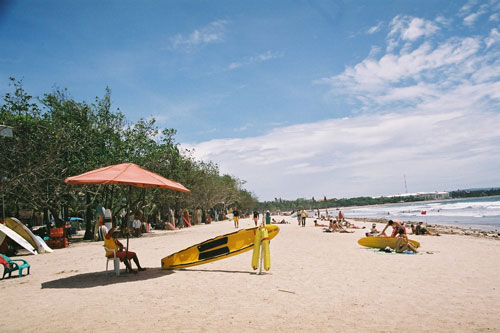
(299, 99)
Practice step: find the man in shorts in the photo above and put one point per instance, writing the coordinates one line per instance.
(111, 242)
(396, 226)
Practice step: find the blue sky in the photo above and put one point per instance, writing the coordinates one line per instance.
(297, 98)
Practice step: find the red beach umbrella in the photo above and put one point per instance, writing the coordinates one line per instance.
(125, 174)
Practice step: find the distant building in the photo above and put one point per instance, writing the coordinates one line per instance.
(424, 195)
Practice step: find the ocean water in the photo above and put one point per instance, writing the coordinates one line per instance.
(476, 213)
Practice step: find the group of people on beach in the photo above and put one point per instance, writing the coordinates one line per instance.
(399, 231)
(339, 224)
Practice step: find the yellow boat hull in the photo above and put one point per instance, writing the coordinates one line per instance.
(217, 248)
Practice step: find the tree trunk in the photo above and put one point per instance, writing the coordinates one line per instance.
(89, 235)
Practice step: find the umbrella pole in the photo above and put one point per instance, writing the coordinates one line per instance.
(126, 221)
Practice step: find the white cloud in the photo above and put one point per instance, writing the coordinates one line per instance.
(375, 28)
(268, 55)
(471, 18)
(338, 156)
(397, 77)
(429, 109)
(493, 38)
(411, 28)
(471, 14)
(467, 7)
(211, 33)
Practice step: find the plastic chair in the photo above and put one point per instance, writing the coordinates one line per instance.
(115, 259)
(11, 265)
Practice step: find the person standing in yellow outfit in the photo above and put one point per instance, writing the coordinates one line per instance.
(303, 215)
(236, 217)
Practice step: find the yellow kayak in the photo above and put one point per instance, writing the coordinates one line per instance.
(217, 248)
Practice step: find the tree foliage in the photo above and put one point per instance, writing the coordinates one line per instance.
(56, 137)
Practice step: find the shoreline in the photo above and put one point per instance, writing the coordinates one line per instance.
(435, 219)
(401, 203)
(439, 228)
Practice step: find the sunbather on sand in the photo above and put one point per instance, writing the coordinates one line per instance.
(402, 243)
(373, 231)
(421, 230)
(335, 226)
(319, 225)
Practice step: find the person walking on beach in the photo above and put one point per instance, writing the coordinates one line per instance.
(236, 217)
(303, 215)
(255, 217)
(268, 217)
(396, 226)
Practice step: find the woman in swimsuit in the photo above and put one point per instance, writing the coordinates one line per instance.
(402, 243)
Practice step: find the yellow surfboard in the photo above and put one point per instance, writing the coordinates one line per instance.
(217, 248)
(27, 234)
(23, 231)
(382, 242)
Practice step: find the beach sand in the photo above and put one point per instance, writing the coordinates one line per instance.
(318, 282)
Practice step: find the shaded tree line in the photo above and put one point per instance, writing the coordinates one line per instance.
(475, 193)
(56, 137)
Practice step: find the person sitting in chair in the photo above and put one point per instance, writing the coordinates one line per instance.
(111, 242)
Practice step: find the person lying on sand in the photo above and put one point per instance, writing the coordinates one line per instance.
(373, 231)
(421, 230)
(335, 226)
(319, 225)
(402, 243)
(351, 225)
(111, 242)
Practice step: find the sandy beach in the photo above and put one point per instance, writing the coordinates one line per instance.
(318, 282)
